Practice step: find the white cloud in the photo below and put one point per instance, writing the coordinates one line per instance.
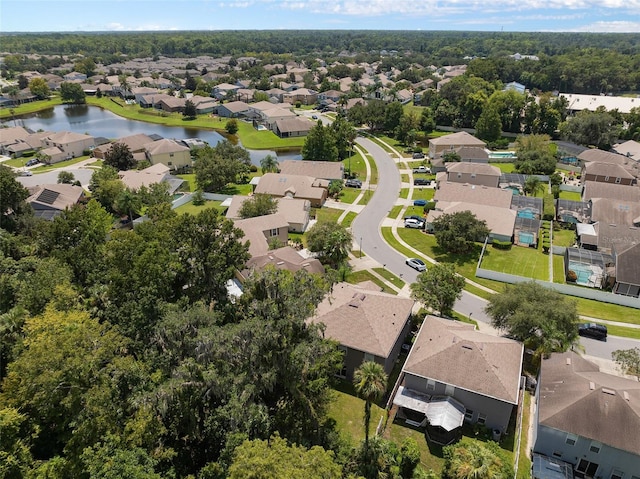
(610, 27)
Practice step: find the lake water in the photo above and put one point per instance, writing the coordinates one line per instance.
(97, 122)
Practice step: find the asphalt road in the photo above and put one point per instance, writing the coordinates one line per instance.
(366, 233)
(83, 175)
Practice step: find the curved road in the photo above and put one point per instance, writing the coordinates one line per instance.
(366, 232)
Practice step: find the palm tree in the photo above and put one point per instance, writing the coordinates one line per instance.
(532, 185)
(370, 382)
(269, 164)
(475, 461)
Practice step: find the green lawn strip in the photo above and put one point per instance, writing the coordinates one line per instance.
(404, 193)
(194, 210)
(32, 107)
(558, 269)
(248, 135)
(394, 212)
(366, 197)
(351, 215)
(17, 162)
(415, 211)
(481, 292)
(632, 333)
(61, 164)
(190, 180)
(364, 275)
(608, 311)
(97, 163)
(404, 178)
(504, 167)
(382, 145)
(570, 195)
(564, 237)
(357, 164)
(348, 195)
(420, 193)
(357, 253)
(347, 411)
(328, 214)
(524, 463)
(517, 260)
(374, 170)
(389, 276)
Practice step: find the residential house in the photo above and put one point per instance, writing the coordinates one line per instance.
(607, 173)
(500, 221)
(272, 115)
(224, 91)
(292, 127)
(140, 92)
(630, 149)
(262, 230)
(203, 104)
(48, 201)
(596, 189)
(75, 77)
(281, 258)
(172, 104)
(627, 279)
(153, 100)
(233, 109)
(276, 93)
(295, 211)
(587, 418)
(473, 174)
(440, 145)
(69, 144)
(294, 186)
(168, 152)
(302, 95)
(607, 157)
(368, 324)
(473, 154)
(14, 135)
(158, 173)
(136, 144)
(481, 372)
(482, 195)
(327, 170)
(329, 96)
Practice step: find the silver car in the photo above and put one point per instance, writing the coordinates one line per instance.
(416, 264)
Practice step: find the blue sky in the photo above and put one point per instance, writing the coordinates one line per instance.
(473, 15)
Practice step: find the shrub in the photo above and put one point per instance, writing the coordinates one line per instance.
(546, 247)
(501, 244)
(198, 198)
(572, 276)
(253, 169)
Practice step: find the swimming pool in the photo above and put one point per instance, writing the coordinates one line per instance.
(587, 274)
(526, 214)
(514, 190)
(502, 154)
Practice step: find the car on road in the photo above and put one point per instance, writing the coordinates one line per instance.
(421, 182)
(353, 183)
(413, 223)
(422, 169)
(315, 117)
(593, 330)
(416, 264)
(420, 203)
(26, 173)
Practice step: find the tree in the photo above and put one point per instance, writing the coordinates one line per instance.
(438, 287)
(66, 177)
(72, 93)
(269, 164)
(39, 87)
(458, 232)
(119, 156)
(545, 320)
(320, 144)
(598, 128)
(628, 360)
(393, 113)
(190, 111)
(335, 188)
(106, 186)
(275, 459)
(476, 460)
(331, 242)
(218, 166)
(489, 126)
(231, 126)
(258, 205)
(12, 198)
(344, 134)
(370, 382)
(532, 185)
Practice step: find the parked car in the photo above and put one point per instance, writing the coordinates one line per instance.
(26, 173)
(414, 217)
(592, 330)
(422, 169)
(420, 203)
(353, 183)
(315, 117)
(32, 162)
(418, 155)
(416, 264)
(413, 223)
(421, 182)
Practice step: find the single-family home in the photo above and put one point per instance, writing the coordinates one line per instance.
(473, 174)
(158, 173)
(627, 279)
(11, 136)
(596, 189)
(280, 258)
(481, 372)
(224, 90)
(368, 324)
(203, 104)
(141, 91)
(587, 418)
(294, 186)
(263, 230)
(482, 195)
(595, 155)
(607, 173)
(332, 96)
(630, 149)
(48, 201)
(440, 145)
(292, 127)
(327, 170)
(168, 152)
(233, 109)
(71, 144)
(172, 104)
(295, 211)
(302, 95)
(500, 221)
(136, 144)
(271, 115)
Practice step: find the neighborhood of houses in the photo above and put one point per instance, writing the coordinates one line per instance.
(586, 422)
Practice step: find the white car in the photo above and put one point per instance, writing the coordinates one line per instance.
(414, 223)
(416, 264)
(26, 173)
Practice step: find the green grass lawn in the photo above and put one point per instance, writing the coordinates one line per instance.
(190, 180)
(358, 166)
(611, 312)
(404, 193)
(423, 193)
(348, 195)
(520, 261)
(524, 463)
(389, 276)
(415, 211)
(328, 214)
(558, 269)
(194, 210)
(347, 411)
(363, 275)
(32, 107)
(505, 167)
(633, 333)
(404, 178)
(570, 195)
(564, 237)
(97, 163)
(394, 212)
(346, 222)
(61, 164)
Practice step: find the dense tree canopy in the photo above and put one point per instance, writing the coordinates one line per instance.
(458, 232)
(438, 287)
(216, 167)
(331, 241)
(119, 156)
(258, 205)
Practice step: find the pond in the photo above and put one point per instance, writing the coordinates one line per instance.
(97, 122)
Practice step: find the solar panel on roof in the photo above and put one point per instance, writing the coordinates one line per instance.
(48, 196)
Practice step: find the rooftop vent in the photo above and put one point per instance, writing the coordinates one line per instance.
(611, 392)
(568, 361)
(625, 394)
(467, 346)
(592, 385)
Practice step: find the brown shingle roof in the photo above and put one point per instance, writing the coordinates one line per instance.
(477, 168)
(455, 353)
(577, 398)
(461, 138)
(364, 320)
(329, 170)
(297, 185)
(597, 189)
(500, 221)
(628, 265)
(607, 169)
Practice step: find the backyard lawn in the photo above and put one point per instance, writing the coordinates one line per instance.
(505, 167)
(570, 195)
(194, 210)
(356, 277)
(348, 412)
(327, 214)
(564, 237)
(558, 269)
(517, 260)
